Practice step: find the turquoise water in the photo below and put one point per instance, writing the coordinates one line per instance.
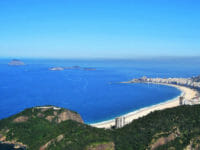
(96, 94)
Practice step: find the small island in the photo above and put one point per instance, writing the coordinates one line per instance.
(16, 62)
(57, 69)
(71, 68)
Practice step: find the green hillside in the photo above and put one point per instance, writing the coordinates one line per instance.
(174, 129)
(39, 132)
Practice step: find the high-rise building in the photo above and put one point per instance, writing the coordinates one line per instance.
(181, 98)
(119, 122)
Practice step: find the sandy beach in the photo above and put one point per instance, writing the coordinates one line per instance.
(187, 92)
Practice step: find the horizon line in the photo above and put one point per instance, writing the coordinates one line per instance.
(104, 58)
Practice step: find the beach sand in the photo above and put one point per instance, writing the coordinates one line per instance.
(187, 92)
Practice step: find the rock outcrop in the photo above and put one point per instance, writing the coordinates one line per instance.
(56, 114)
(68, 115)
(57, 139)
(20, 119)
(160, 139)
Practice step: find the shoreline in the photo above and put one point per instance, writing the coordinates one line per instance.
(187, 92)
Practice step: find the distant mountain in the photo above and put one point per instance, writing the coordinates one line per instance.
(53, 128)
(16, 62)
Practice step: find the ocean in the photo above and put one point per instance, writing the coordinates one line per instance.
(95, 94)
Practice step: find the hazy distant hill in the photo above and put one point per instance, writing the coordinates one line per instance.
(60, 129)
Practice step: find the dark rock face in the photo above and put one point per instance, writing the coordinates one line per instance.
(4, 146)
(11, 146)
(16, 62)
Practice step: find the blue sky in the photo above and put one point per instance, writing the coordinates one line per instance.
(99, 28)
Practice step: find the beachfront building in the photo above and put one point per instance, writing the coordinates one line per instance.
(178, 81)
(181, 99)
(194, 101)
(119, 122)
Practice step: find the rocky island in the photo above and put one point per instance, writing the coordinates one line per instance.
(56, 68)
(71, 68)
(16, 62)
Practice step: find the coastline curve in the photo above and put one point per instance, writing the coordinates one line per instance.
(185, 91)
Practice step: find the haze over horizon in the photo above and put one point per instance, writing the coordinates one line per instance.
(99, 29)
